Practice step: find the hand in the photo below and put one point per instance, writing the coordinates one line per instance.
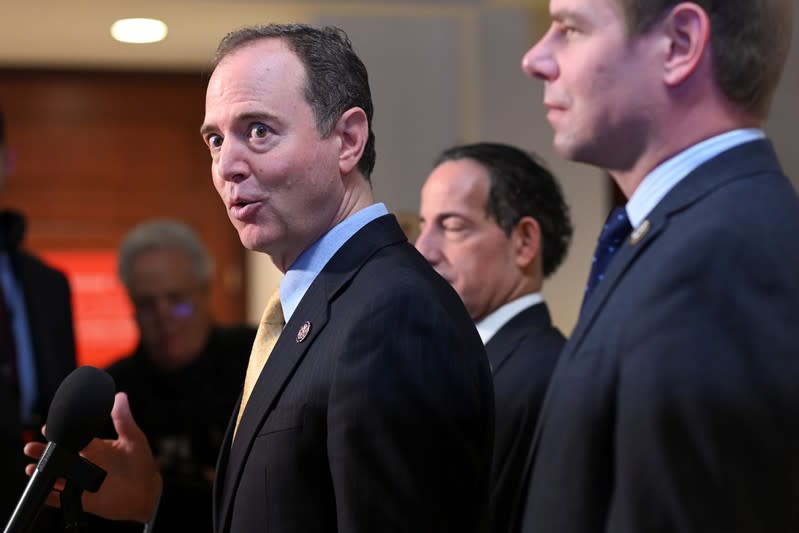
(133, 483)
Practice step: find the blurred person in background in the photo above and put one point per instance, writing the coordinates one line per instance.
(186, 372)
(37, 348)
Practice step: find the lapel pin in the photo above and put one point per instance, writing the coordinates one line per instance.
(639, 232)
(303, 332)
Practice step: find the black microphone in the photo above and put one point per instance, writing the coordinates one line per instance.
(79, 411)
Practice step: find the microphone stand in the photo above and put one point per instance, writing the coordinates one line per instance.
(83, 475)
(79, 474)
(79, 411)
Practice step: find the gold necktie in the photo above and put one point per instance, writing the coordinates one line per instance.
(268, 332)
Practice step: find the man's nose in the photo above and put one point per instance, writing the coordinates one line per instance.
(428, 246)
(539, 62)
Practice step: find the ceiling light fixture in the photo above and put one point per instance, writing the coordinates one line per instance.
(138, 30)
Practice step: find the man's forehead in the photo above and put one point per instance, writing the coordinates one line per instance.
(243, 80)
(452, 186)
(581, 11)
(147, 284)
(462, 175)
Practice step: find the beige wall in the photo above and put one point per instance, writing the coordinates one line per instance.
(445, 76)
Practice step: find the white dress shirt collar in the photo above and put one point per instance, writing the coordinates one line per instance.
(488, 326)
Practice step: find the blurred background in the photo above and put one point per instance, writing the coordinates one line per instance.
(103, 135)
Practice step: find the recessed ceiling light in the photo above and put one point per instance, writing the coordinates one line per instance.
(138, 30)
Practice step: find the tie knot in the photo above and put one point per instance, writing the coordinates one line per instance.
(273, 312)
(617, 227)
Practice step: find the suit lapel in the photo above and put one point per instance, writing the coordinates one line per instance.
(529, 322)
(290, 350)
(624, 258)
(284, 358)
(751, 157)
(221, 473)
(738, 162)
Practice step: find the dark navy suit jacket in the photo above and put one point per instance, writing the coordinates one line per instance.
(674, 406)
(48, 303)
(522, 355)
(379, 419)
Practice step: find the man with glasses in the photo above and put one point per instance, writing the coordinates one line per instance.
(185, 374)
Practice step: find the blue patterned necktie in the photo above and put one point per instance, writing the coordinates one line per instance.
(617, 228)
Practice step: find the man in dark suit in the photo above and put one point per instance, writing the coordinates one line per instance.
(494, 224)
(374, 410)
(37, 346)
(674, 405)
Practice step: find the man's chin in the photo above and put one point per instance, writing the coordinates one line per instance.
(252, 238)
(563, 147)
(172, 359)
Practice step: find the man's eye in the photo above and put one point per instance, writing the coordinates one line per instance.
(258, 131)
(214, 141)
(567, 31)
(453, 228)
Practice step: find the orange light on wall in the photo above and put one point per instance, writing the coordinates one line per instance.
(104, 325)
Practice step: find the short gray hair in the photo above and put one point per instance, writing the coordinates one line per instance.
(164, 234)
(336, 78)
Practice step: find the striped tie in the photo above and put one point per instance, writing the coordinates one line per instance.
(265, 339)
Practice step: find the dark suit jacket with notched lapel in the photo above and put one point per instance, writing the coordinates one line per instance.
(381, 419)
(674, 406)
(522, 355)
(48, 303)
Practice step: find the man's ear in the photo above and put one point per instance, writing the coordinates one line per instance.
(687, 28)
(352, 129)
(526, 238)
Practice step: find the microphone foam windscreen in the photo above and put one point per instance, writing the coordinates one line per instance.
(80, 407)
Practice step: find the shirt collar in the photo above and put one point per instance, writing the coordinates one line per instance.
(310, 263)
(488, 326)
(668, 174)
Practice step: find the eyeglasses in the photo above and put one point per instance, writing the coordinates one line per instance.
(176, 305)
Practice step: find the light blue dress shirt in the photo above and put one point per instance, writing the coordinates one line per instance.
(26, 365)
(310, 263)
(668, 174)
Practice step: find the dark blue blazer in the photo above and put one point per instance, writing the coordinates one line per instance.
(48, 302)
(380, 419)
(522, 355)
(674, 406)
